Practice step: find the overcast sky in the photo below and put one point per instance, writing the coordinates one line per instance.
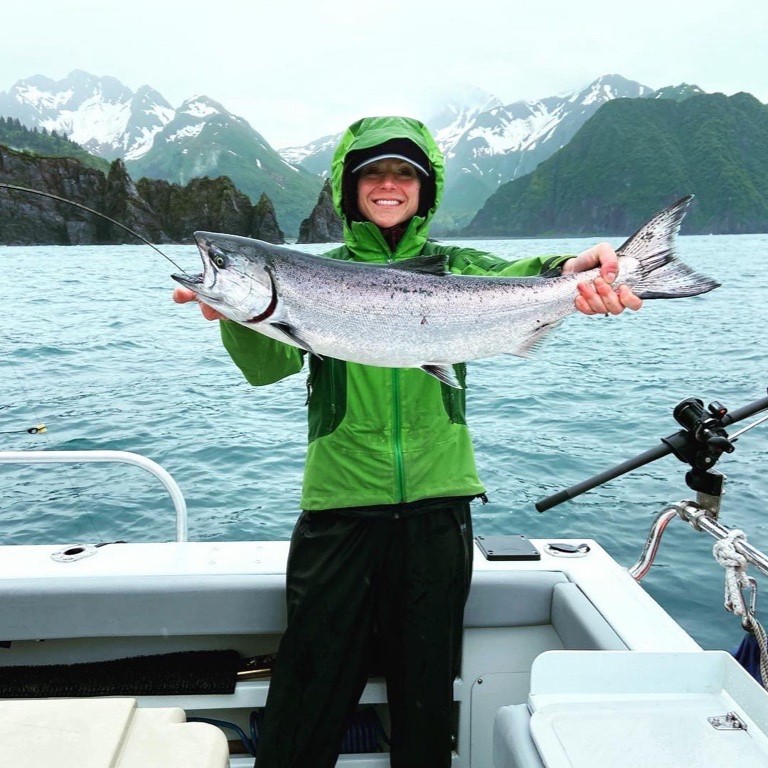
(300, 69)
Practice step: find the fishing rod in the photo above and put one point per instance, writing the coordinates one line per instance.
(700, 443)
(29, 190)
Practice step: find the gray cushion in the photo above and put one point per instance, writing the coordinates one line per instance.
(493, 599)
(513, 746)
(579, 624)
(142, 606)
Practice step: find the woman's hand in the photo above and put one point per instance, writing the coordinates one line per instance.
(184, 295)
(599, 297)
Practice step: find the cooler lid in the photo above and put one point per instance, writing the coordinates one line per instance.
(595, 709)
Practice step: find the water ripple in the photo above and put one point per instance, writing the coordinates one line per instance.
(109, 361)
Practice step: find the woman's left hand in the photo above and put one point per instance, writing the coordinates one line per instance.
(599, 297)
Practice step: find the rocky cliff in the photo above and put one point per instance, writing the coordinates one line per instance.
(323, 225)
(264, 222)
(123, 203)
(157, 210)
(27, 219)
(211, 205)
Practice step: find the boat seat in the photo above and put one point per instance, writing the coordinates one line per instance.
(492, 598)
(146, 606)
(549, 599)
(142, 606)
(580, 626)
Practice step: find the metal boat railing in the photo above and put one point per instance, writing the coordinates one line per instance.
(699, 519)
(100, 457)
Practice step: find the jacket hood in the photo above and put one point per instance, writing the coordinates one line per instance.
(364, 237)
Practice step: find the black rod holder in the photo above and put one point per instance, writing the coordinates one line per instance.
(700, 443)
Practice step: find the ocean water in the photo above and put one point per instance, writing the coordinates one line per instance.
(93, 347)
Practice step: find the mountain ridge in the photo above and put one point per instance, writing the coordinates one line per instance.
(110, 121)
(486, 143)
(635, 155)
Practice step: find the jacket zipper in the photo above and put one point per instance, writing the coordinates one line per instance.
(397, 437)
(397, 442)
(333, 393)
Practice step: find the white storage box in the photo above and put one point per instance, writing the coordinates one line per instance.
(604, 709)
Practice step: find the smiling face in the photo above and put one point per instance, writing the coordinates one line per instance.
(388, 192)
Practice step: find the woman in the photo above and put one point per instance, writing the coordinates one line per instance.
(381, 557)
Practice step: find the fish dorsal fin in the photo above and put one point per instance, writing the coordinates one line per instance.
(437, 264)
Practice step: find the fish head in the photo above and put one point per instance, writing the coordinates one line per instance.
(235, 280)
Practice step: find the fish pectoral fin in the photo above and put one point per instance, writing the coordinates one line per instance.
(535, 340)
(443, 373)
(436, 264)
(295, 338)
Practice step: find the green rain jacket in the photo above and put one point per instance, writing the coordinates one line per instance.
(380, 435)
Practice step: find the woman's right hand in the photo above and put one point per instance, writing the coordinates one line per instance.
(184, 295)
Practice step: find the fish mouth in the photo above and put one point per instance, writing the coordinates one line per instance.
(193, 282)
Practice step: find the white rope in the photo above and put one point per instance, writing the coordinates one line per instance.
(754, 626)
(736, 580)
(735, 565)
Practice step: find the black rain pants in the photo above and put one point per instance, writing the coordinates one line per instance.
(370, 590)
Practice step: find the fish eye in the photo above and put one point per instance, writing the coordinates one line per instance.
(219, 260)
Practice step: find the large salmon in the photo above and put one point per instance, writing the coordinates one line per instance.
(414, 313)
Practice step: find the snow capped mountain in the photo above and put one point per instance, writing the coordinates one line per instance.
(457, 114)
(677, 92)
(509, 141)
(314, 157)
(196, 141)
(192, 118)
(205, 140)
(99, 113)
(529, 126)
(150, 112)
(200, 138)
(487, 143)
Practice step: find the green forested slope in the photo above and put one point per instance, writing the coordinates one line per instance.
(637, 155)
(18, 137)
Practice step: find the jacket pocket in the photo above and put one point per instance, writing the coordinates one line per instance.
(327, 396)
(454, 400)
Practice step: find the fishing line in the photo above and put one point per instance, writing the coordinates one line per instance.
(95, 213)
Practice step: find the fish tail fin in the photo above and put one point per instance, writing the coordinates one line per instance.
(664, 276)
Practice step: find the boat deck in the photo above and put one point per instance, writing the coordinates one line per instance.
(128, 600)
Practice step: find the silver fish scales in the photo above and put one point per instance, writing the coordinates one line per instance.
(414, 313)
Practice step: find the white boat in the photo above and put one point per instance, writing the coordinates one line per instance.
(567, 660)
